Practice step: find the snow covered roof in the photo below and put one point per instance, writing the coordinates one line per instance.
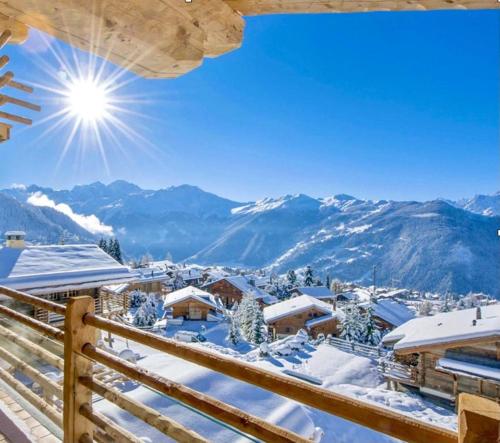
(316, 291)
(462, 367)
(322, 319)
(391, 311)
(447, 328)
(190, 292)
(294, 306)
(45, 269)
(148, 275)
(241, 282)
(190, 274)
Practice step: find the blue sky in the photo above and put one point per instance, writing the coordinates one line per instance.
(381, 105)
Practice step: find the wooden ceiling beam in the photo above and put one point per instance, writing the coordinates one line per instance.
(260, 7)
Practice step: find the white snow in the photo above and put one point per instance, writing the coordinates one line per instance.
(294, 306)
(481, 371)
(40, 269)
(391, 311)
(190, 292)
(316, 291)
(447, 327)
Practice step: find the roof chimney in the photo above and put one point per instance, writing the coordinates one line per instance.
(15, 239)
(478, 313)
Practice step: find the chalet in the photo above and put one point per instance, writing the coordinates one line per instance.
(302, 312)
(451, 352)
(190, 277)
(191, 303)
(58, 272)
(232, 289)
(389, 314)
(319, 292)
(150, 280)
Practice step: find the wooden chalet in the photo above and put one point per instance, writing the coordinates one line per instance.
(192, 304)
(451, 353)
(232, 289)
(303, 312)
(59, 272)
(388, 314)
(149, 281)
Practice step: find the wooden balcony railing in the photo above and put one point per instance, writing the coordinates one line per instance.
(70, 406)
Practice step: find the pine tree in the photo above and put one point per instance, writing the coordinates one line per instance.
(328, 283)
(117, 252)
(353, 326)
(103, 245)
(146, 315)
(246, 314)
(291, 277)
(137, 298)
(234, 334)
(308, 277)
(371, 333)
(257, 335)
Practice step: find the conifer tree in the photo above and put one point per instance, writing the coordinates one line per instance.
(291, 277)
(353, 327)
(117, 251)
(371, 333)
(327, 282)
(257, 335)
(234, 334)
(308, 277)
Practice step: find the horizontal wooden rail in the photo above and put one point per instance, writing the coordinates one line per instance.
(118, 433)
(33, 300)
(46, 383)
(16, 101)
(211, 406)
(32, 348)
(4, 59)
(16, 118)
(32, 323)
(32, 398)
(149, 415)
(363, 413)
(6, 78)
(20, 86)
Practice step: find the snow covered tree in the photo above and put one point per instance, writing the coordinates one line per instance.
(146, 315)
(103, 245)
(308, 277)
(257, 331)
(234, 334)
(372, 335)
(445, 305)
(327, 281)
(251, 320)
(353, 325)
(291, 277)
(113, 249)
(425, 308)
(137, 298)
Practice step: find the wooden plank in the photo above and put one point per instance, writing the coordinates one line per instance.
(46, 383)
(366, 414)
(5, 37)
(20, 86)
(18, 30)
(149, 415)
(115, 431)
(259, 7)
(16, 101)
(215, 408)
(32, 398)
(33, 300)
(31, 322)
(76, 366)
(479, 419)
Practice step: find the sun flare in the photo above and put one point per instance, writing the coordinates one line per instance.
(87, 100)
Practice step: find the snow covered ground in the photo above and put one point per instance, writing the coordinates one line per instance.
(342, 372)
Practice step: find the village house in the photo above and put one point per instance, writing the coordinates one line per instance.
(302, 312)
(192, 304)
(451, 353)
(388, 314)
(58, 272)
(232, 289)
(150, 280)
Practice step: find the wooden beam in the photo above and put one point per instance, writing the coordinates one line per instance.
(231, 415)
(76, 366)
(149, 415)
(366, 414)
(447, 345)
(33, 300)
(260, 7)
(31, 322)
(18, 31)
(478, 419)
(16, 101)
(32, 398)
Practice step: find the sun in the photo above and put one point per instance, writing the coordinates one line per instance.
(87, 99)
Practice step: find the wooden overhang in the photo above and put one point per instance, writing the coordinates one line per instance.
(167, 38)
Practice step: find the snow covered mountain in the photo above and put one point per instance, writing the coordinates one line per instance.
(435, 245)
(482, 204)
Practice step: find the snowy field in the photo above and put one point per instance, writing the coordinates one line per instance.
(339, 371)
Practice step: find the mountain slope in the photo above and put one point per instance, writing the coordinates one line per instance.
(42, 225)
(435, 245)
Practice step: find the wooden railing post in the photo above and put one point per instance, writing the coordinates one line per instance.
(77, 334)
(478, 419)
